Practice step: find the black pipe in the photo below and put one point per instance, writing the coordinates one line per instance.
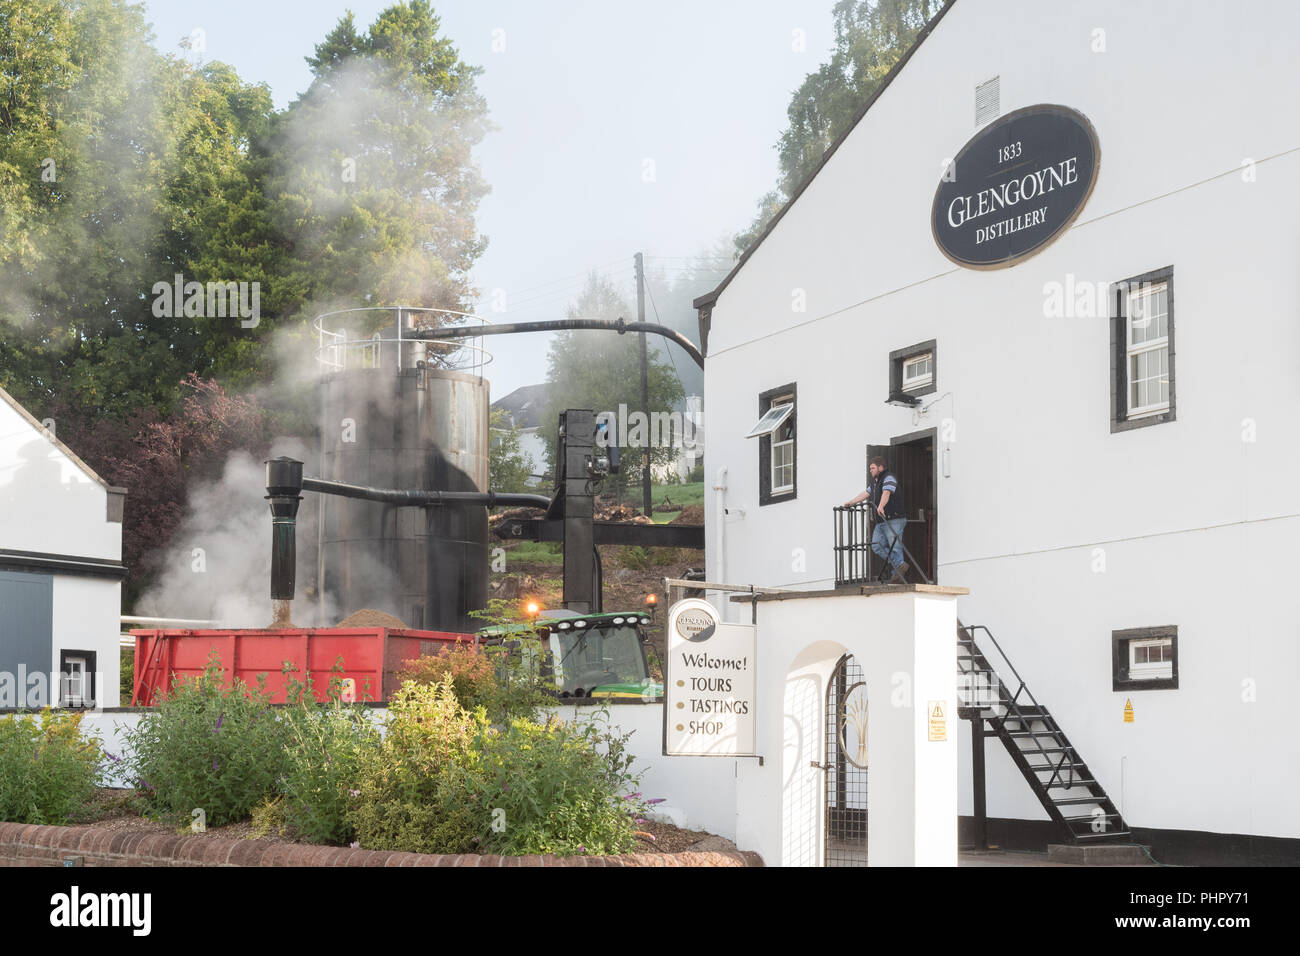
(283, 484)
(981, 815)
(420, 499)
(556, 325)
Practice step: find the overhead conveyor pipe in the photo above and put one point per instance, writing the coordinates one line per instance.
(285, 484)
(560, 325)
(421, 499)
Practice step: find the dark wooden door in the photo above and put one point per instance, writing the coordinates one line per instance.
(913, 465)
(912, 462)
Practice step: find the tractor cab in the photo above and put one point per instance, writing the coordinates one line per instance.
(592, 655)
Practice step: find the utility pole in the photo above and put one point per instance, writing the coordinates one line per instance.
(645, 388)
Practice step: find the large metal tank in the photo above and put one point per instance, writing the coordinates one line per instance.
(391, 420)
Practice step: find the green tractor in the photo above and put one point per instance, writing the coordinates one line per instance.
(589, 655)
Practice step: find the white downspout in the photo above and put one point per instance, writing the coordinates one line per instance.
(720, 516)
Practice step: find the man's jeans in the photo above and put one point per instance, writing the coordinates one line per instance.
(887, 540)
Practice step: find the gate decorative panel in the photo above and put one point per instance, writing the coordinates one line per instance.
(845, 765)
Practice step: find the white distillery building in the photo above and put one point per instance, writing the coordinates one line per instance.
(61, 571)
(1050, 274)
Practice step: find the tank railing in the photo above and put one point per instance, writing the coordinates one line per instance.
(337, 350)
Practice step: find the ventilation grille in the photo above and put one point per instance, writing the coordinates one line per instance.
(987, 101)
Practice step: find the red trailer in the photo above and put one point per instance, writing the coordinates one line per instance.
(371, 657)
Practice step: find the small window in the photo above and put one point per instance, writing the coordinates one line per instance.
(1151, 660)
(1142, 339)
(777, 448)
(914, 371)
(1147, 325)
(1145, 658)
(918, 371)
(783, 456)
(77, 679)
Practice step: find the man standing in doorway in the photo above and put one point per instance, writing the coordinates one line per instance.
(887, 539)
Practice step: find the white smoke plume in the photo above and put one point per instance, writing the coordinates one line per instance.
(218, 567)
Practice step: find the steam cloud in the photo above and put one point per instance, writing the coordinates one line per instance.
(218, 567)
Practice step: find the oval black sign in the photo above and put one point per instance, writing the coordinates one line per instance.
(1015, 187)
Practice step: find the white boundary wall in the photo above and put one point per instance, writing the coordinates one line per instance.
(699, 792)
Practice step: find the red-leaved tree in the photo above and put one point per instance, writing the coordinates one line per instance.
(159, 459)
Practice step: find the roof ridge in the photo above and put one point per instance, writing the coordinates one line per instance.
(46, 433)
(710, 297)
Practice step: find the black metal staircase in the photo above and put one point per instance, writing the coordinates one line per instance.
(1053, 768)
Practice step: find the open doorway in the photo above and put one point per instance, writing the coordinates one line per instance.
(912, 460)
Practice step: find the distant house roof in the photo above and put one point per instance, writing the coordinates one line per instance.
(525, 405)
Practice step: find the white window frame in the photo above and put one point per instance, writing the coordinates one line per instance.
(787, 402)
(918, 381)
(1161, 670)
(82, 675)
(1131, 350)
(772, 419)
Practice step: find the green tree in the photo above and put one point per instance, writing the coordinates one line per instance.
(111, 160)
(509, 468)
(870, 38)
(670, 302)
(602, 370)
(374, 187)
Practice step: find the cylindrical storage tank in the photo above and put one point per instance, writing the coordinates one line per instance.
(457, 456)
(411, 429)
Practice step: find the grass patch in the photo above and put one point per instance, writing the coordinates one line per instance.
(691, 493)
(536, 552)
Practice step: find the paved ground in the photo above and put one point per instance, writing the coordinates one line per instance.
(968, 858)
(1004, 858)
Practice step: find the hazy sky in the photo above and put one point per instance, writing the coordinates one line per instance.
(586, 95)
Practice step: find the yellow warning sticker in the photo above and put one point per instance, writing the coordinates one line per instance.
(938, 719)
(1128, 711)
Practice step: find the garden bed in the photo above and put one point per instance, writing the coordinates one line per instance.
(115, 811)
(133, 841)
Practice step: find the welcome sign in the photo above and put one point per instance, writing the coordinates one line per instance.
(709, 683)
(1015, 187)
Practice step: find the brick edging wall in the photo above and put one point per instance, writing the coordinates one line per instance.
(31, 845)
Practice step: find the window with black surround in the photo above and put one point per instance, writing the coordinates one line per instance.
(775, 431)
(1144, 658)
(1142, 350)
(914, 370)
(76, 678)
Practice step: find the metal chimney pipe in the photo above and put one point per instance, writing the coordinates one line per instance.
(283, 491)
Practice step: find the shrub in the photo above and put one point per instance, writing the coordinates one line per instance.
(413, 790)
(505, 679)
(126, 675)
(325, 748)
(635, 557)
(208, 746)
(48, 770)
(558, 788)
(473, 679)
(445, 781)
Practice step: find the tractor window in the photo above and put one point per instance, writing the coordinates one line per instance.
(588, 658)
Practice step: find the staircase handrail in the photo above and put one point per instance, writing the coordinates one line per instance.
(1013, 702)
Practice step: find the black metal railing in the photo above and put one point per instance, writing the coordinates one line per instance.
(855, 562)
(1016, 710)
